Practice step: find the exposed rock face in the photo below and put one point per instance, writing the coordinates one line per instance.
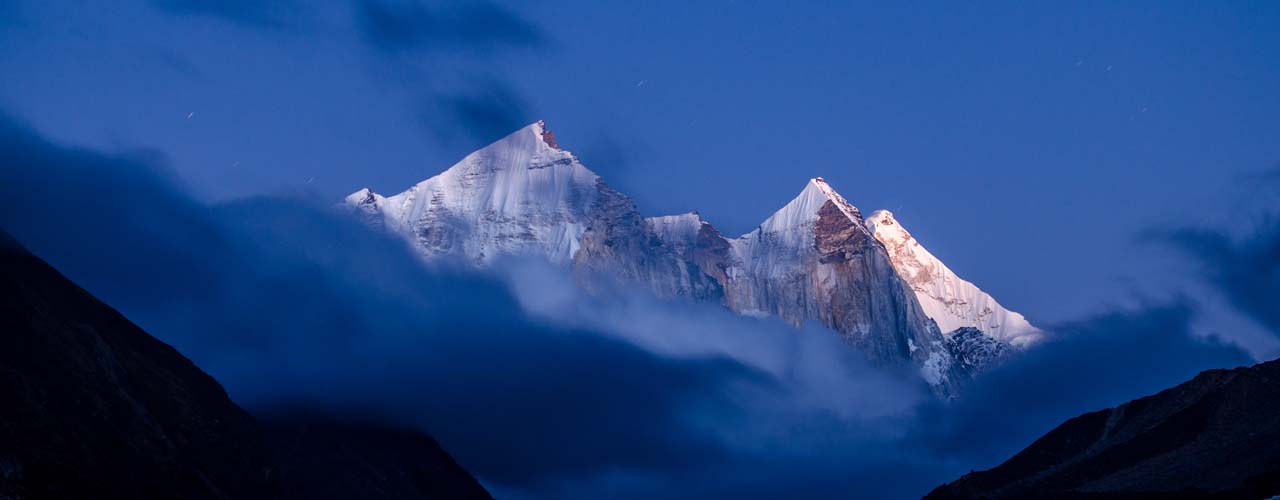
(1212, 437)
(91, 406)
(974, 352)
(697, 243)
(619, 246)
(549, 137)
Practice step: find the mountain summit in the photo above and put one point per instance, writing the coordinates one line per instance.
(816, 258)
(803, 209)
(953, 302)
(518, 196)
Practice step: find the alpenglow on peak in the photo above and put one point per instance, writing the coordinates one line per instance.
(816, 258)
(951, 301)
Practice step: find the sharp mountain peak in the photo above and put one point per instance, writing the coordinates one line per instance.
(813, 259)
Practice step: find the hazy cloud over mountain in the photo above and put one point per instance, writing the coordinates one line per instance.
(544, 392)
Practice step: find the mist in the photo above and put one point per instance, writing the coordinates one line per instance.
(539, 389)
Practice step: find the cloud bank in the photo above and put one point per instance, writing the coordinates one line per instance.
(541, 391)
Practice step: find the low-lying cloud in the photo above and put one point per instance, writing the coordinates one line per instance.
(541, 390)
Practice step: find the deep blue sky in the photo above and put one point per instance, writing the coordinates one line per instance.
(1028, 145)
(1031, 147)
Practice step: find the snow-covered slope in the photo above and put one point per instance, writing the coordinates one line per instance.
(815, 259)
(770, 248)
(952, 302)
(524, 196)
(518, 196)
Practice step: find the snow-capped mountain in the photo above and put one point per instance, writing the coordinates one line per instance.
(952, 302)
(524, 196)
(518, 196)
(815, 259)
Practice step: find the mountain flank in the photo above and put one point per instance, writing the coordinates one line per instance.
(91, 406)
(1214, 436)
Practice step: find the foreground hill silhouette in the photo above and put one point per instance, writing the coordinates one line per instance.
(1215, 436)
(91, 406)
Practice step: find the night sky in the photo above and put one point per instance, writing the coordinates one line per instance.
(1004, 135)
(1105, 169)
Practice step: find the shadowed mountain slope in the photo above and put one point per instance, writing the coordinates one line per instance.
(91, 406)
(94, 407)
(1214, 436)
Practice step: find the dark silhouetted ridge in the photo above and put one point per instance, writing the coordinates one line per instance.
(329, 458)
(1215, 436)
(92, 407)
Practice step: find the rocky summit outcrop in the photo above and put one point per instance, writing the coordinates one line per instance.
(91, 406)
(1212, 437)
(816, 259)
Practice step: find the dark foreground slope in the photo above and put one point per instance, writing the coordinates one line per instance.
(326, 458)
(91, 406)
(1216, 436)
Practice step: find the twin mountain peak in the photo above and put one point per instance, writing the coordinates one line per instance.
(815, 259)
